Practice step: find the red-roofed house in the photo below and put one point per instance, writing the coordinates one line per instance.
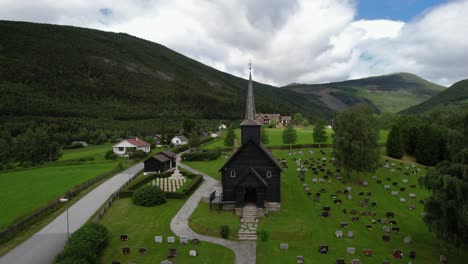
(126, 146)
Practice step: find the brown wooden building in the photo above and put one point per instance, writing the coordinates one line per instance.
(252, 174)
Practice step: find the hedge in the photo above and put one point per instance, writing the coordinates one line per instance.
(204, 155)
(192, 186)
(149, 196)
(147, 178)
(85, 245)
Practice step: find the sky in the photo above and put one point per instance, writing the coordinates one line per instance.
(288, 41)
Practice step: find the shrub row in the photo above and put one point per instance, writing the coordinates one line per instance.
(85, 245)
(193, 185)
(203, 155)
(141, 181)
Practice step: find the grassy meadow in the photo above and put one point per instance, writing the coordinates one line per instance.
(300, 224)
(141, 224)
(304, 136)
(24, 191)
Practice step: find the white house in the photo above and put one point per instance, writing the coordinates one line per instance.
(222, 127)
(179, 140)
(129, 145)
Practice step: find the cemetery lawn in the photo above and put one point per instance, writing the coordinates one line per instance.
(22, 192)
(300, 225)
(304, 136)
(141, 224)
(204, 222)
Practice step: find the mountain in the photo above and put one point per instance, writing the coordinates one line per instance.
(59, 73)
(390, 93)
(454, 96)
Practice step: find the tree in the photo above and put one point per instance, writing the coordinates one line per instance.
(445, 210)
(298, 119)
(35, 147)
(264, 136)
(320, 131)
(194, 141)
(395, 148)
(386, 120)
(188, 125)
(230, 136)
(355, 138)
(289, 135)
(430, 145)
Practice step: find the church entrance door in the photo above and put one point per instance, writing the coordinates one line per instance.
(250, 195)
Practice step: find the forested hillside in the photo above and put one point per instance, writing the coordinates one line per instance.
(99, 79)
(386, 93)
(454, 96)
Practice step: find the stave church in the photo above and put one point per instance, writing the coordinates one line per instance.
(252, 174)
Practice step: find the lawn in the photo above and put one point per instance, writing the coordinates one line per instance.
(211, 168)
(24, 191)
(141, 224)
(95, 151)
(304, 136)
(300, 225)
(204, 222)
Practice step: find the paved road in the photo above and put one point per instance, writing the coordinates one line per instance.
(245, 251)
(42, 247)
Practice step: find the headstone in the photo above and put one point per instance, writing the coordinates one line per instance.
(405, 180)
(407, 240)
(394, 193)
(365, 183)
(314, 179)
(340, 261)
(387, 187)
(170, 239)
(158, 239)
(386, 229)
(339, 234)
(443, 259)
(284, 246)
(390, 214)
(165, 262)
(386, 238)
(125, 250)
(344, 224)
(355, 261)
(142, 251)
(412, 254)
(412, 207)
(124, 237)
(350, 197)
(323, 249)
(184, 240)
(350, 234)
(300, 259)
(348, 188)
(403, 200)
(367, 252)
(395, 230)
(350, 250)
(192, 253)
(412, 195)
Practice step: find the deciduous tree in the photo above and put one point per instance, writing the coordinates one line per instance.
(395, 147)
(289, 135)
(320, 131)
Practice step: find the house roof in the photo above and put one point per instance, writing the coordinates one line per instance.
(286, 118)
(260, 146)
(161, 157)
(169, 153)
(138, 142)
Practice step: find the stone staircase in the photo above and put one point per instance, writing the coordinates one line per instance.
(249, 223)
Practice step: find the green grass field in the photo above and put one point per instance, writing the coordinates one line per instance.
(393, 101)
(204, 222)
(24, 191)
(141, 224)
(299, 222)
(304, 136)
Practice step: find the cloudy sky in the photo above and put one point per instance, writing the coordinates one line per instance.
(302, 41)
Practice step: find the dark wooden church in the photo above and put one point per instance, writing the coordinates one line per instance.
(252, 174)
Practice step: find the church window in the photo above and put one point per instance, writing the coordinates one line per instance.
(233, 173)
(268, 174)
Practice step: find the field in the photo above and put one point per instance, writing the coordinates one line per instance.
(300, 224)
(25, 191)
(141, 224)
(304, 136)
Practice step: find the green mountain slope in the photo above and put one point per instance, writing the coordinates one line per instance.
(62, 72)
(391, 93)
(454, 96)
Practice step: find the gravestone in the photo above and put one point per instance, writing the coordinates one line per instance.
(123, 237)
(158, 239)
(394, 193)
(407, 240)
(351, 250)
(193, 253)
(284, 246)
(402, 200)
(170, 239)
(386, 229)
(350, 234)
(184, 240)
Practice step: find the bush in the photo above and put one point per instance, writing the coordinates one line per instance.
(149, 195)
(138, 155)
(264, 235)
(224, 231)
(205, 155)
(110, 155)
(84, 246)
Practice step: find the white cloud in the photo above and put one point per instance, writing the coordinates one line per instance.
(288, 41)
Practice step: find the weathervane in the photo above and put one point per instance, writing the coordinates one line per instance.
(250, 65)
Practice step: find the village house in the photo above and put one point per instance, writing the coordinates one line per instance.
(129, 145)
(267, 119)
(285, 120)
(179, 140)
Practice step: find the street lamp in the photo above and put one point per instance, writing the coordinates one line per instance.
(63, 200)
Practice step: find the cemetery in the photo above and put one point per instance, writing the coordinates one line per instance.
(333, 219)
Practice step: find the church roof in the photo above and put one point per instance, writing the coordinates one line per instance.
(250, 105)
(255, 173)
(260, 146)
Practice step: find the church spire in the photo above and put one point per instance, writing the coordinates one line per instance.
(250, 106)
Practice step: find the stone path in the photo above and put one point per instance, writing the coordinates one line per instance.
(245, 251)
(42, 247)
(249, 224)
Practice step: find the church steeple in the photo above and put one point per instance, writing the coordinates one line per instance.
(250, 127)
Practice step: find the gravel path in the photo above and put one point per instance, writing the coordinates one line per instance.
(245, 251)
(42, 247)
